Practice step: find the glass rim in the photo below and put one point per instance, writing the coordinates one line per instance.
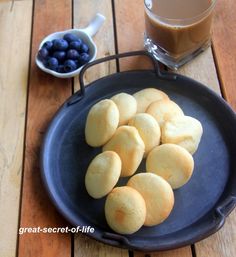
(182, 19)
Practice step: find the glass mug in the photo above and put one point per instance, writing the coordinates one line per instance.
(177, 30)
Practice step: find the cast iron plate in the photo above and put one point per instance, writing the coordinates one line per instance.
(200, 206)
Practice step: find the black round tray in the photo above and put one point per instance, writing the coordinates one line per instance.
(201, 206)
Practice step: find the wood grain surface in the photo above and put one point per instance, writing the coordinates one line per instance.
(224, 45)
(129, 17)
(13, 86)
(104, 39)
(84, 12)
(46, 94)
(86, 247)
(186, 251)
(203, 69)
(222, 243)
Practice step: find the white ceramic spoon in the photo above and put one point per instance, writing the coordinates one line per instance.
(85, 34)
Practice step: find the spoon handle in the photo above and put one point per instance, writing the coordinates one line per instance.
(95, 25)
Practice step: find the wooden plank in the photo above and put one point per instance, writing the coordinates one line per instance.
(46, 94)
(221, 244)
(14, 61)
(130, 32)
(131, 25)
(202, 69)
(174, 253)
(84, 11)
(104, 39)
(224, 42)
(85, 246)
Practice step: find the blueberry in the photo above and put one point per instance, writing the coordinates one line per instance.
(45, 61)
(69, 65)
(70, 37)
(60, 68)
(84, 48)
(83, 58)
(77, 63)
(60, 44)
(75, 44)
(48, 45)
(43, 53)
(72, 54)
(60, 55)
(52, 63)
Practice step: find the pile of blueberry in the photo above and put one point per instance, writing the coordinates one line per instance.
(64, 54)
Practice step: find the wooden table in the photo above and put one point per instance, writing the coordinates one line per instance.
(29, 99)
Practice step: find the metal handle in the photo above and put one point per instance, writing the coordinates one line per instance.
(226, 207)
(116, 238)
(117, 56)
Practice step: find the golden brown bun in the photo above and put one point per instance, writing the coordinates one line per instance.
(164, 110)
(102, 122)
(148, 129)
(172, 162)
(184, 131)
(125, 210)
(127, 107)
(103, 174)
(147, 96)
(157, 194)
(128, 144)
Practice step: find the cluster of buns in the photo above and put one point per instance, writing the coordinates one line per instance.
(129, 128)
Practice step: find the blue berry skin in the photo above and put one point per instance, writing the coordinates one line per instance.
(84, 48)
(77, 63)
(75, 44)
(43, 53)
(52, 63)
(45, 61)
(72, 54)
(61, 69)
(69, 65)
(69, 37)
(48, 45)
(60, 55)
(83, 58)
(60, 44)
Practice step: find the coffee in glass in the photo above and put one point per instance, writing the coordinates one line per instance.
(177, 30)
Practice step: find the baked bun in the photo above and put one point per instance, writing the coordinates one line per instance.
(125, 210)
(128, 144)
(146, 96)
(184, 131)
(102, 174)
(172, 162)
(164, 110)
(157, 194)
(102, 122)
(127, 107)
(148, 128)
